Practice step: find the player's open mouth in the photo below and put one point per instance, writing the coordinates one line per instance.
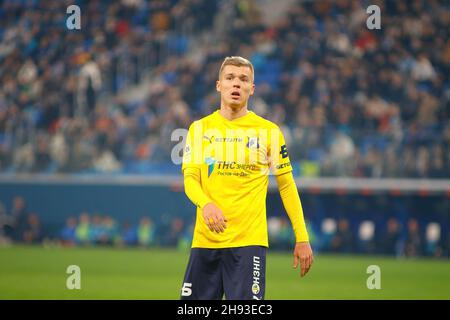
(235, 95)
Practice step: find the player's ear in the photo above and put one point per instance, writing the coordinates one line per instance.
(252, 90)
(218, 85)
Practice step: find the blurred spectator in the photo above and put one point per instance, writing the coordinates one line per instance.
(68, 233)
(96, 232)
(433, 240)
(110, 231)
(17, 219)
(83, 231)
(342, 151)
(4, 222)
(105, 161)
(286, 235)
(366, 237)
(42, 158)
(446, 243)
(185, 240)
(280, 233)
(146, 232)
(389, 240)
(32, 232)
(128, 235)
(343, 240)
(328, 229)
(89, 84)
(422, 69)
(174, 233)
(414, 241)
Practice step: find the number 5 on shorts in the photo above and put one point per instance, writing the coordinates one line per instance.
(186, 291)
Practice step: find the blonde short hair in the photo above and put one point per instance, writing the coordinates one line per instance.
(238, 62)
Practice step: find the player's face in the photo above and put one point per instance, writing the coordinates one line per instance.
(235, 86)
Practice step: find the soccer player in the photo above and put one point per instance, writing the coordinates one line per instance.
(226, 164)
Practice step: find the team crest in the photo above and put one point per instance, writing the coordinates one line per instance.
(253, 143)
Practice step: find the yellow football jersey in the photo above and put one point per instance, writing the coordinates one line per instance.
(235, 158)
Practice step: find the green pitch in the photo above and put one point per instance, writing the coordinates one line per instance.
(107, 273)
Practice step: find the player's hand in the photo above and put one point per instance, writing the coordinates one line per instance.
(303, 254)
(214, 218)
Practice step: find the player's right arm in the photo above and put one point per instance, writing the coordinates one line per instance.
(191, 169)
(212, 214)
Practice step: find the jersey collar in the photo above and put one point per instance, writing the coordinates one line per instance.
(222, 118)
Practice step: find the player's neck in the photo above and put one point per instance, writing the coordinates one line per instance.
(231, 114)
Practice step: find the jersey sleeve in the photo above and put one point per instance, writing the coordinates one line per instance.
(193, 188)
(292, 204)
(278, 154)
(193, 148)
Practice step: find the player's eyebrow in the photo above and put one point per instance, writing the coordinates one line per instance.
(242, 75)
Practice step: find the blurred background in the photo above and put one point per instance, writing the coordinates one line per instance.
(86, 118)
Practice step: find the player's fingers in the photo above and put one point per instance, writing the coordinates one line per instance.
(303, 265)
(221, 218)
(209, 223)
(308, 261)
(219, 227)
(218, 224)
(295, 265)
(222, 222)
(308, 264)
(215, 227)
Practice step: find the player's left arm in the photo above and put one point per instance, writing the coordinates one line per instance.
(281, 168)
(291, 201)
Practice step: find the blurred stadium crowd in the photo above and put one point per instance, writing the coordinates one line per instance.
(20, 225)
(394, 236)
(350, 101)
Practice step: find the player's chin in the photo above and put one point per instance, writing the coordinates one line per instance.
(236, 104)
